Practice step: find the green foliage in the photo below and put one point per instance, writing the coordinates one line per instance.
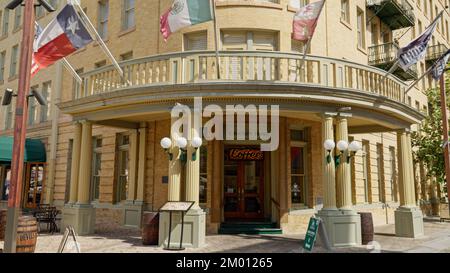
(429, 141)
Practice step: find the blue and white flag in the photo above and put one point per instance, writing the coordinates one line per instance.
(417, 49)
(440, 65)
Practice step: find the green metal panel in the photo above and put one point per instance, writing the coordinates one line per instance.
(34, 150)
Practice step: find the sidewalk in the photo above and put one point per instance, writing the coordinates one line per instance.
(436, 240)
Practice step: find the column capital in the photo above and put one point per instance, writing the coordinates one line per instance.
(404, 130)
(84, 121)
(327, 115)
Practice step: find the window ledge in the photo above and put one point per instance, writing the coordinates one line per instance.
(229, 3)
(3, 37)
(345, 23)
(362, 50)
(127, 31)
(104, 40)
(13, 78)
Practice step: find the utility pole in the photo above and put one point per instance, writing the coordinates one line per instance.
(17, 163)
(445, 130)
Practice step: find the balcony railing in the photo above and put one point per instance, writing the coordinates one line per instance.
(242, 67)
(395, 13)
(434, 52)
(384, 56)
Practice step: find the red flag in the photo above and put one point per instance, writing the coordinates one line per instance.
(305, 21)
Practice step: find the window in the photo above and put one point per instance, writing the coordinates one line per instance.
(69, 171)
(298, 168)
(203, 175)
(366, 171)
(380, 161)
(96, 168)
(298, 3)
(103, 17)
(54, 3)
(345, 11)
(9, 117)
(196, 41)
(32, 109)
(393, 161)
(6, 177)
(5, 22)
(360, 29)
(128, 17)
(2, 66)
(123, 147)
(40, 11)
(45, 109)
(14, 60)
(18, 17)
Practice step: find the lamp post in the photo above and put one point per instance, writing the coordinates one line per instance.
(15, 187)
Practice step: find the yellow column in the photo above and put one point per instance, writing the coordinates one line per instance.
(193, 170)
(85, 163)
(344, 183)
(75, 167)
(175, 175)
(132, 179)
(329, 173)
(406, 173)
(142, 163)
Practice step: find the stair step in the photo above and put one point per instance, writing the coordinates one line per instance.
(256, 231)
(249, 225)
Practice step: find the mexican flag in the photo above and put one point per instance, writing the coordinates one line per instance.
(185, 13)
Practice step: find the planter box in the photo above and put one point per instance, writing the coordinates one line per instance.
(444, 211)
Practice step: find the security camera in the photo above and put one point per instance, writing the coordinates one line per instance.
(46, 5)
(7, 98)
(40, 99)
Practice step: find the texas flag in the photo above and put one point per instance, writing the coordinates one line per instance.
(63, 36)
(305, 21)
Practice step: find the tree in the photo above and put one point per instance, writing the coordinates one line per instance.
(428, 142)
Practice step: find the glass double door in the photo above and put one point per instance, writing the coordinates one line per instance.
(34, 185)
(244, 190)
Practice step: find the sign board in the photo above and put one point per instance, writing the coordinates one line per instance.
(245, 155)
(316, 228)
(70, 232)
(177, 206)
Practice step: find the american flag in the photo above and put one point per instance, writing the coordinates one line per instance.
(34, 65)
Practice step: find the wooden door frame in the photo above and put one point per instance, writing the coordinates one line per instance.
(28, 167)
(241, 187)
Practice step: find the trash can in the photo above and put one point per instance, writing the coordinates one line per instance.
(367, 228)
(150, 229)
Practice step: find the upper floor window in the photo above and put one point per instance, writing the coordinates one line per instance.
(127, 56)
(5, 22)
(128, 14)
(345, 11)
(40, 11)
(196, 41)
(9, 117)
(54, 3)
(32, 108)
(361, 29)
(2, 66)
(14, 60)
(297, 4)
(103, 18)
(18, 18)
(45, 109)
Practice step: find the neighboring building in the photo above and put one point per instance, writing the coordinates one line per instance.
(102, 137)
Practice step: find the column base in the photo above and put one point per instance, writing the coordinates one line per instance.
(194, 234)
(132, 214)
(80, 217)
(409, 222)
(343, 227)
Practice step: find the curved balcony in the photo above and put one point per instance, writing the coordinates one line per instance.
(153, 84)
(242, 67)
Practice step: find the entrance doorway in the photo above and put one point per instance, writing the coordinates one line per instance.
(34, 185)
(244, 184)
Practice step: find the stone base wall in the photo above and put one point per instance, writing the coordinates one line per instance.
(108, 220)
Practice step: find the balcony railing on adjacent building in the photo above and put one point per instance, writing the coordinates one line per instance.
(434, 52)
(385, 55)
(242, 67)
(396, 14)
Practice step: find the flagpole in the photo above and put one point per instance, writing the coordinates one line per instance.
(72, 71)
(90, 27)
(308, 45)
(216, 38)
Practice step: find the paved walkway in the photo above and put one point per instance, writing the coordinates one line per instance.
(437, 240)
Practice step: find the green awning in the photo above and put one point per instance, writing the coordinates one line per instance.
(34, 150)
